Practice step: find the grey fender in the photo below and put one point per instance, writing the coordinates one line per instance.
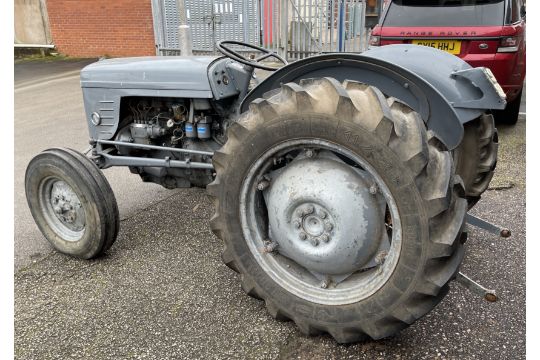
(445, 90)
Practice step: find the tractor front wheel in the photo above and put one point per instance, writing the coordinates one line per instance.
(72, 203)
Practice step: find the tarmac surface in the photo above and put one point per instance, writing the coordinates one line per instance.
(162, 292)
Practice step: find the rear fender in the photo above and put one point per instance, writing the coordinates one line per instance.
(446, 91)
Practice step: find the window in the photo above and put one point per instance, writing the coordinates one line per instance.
(445, 13)
(515, 14)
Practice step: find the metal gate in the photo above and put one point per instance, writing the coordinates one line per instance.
(294, 28)
(301, 28)
(210, 21)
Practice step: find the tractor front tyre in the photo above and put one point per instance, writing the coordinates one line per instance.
(72, 203)
(339, 210)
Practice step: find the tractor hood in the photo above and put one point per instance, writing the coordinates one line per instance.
(183, 74)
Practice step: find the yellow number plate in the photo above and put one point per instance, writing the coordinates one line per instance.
(450, 46)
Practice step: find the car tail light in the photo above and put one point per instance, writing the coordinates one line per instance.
(374, 40)
(508, 44)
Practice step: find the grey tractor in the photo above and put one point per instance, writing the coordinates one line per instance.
(340, 183)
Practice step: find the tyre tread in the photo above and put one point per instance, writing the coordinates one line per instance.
(403, 130)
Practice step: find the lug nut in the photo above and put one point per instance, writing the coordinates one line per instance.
(297, 224)
(309, 153)
(303, 236)
(262, 185)
(325, 238)
(309, 209)
(314, 241)
(322, 214)
(373, 189)
(381, 257)
(328, 226)
(325, 283)
(270, 247)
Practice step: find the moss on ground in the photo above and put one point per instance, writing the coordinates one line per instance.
(46, 58)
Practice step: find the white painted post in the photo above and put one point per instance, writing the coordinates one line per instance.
(184, 31)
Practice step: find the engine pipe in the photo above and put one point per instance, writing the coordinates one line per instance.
(112, 160)
(154, 147)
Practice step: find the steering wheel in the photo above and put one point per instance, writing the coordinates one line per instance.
(223, 47)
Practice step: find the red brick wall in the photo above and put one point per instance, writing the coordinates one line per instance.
(93, 28)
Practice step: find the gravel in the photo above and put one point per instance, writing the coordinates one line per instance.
(162, 292)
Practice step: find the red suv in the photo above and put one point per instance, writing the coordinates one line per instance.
(488, 33)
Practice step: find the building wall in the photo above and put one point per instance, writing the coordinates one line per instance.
(94, 28)
(31, 26)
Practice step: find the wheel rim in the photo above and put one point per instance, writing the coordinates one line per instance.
(62, 209)
(330, 247)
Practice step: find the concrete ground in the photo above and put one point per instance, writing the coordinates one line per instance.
(162, 292)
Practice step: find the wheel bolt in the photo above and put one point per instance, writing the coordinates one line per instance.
(314, 241)
(309, 209)
(328, 226)
(373, 189)
(303, 236)
(322, 214)
(324, 284)
(381, 257)
(270, 247)
(262, 185)
(297, 224)
(309, 153)
(325, 238)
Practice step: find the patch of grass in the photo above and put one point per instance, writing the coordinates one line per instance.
(52, 57)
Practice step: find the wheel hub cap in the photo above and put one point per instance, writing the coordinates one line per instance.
(323, 216)
(312, 223)
(67, 206)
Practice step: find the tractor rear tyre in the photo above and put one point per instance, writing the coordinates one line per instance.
(476, 157)
(72, 203)
(338, 209)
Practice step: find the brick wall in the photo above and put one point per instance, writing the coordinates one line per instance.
(93, 28)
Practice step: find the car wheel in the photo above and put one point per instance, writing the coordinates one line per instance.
(510, 115)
